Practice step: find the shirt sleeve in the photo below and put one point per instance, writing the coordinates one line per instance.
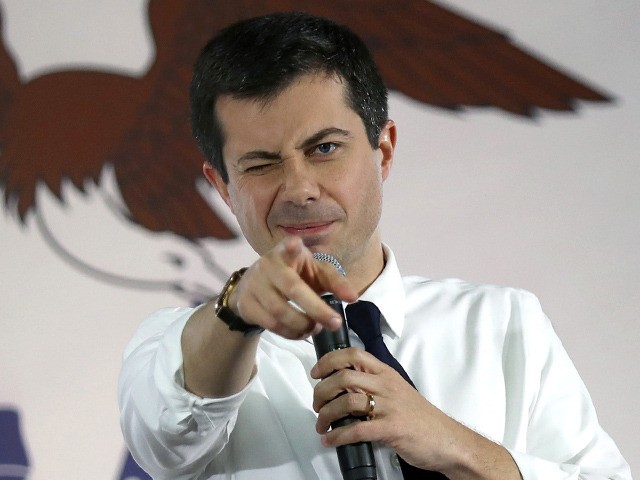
(564, 440)
(170, 432)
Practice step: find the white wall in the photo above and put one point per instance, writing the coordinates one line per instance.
(550, 205)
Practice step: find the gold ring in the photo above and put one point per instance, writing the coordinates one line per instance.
(372, 405)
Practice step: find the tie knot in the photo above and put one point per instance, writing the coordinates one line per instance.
(364, 319)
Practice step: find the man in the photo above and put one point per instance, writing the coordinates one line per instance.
(292, 116)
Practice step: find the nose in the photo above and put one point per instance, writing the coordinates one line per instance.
(299, 183)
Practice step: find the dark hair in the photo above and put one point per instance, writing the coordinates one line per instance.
(260, 57)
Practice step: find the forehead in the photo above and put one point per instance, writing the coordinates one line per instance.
(310, 103)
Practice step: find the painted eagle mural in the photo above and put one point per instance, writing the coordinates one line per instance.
(68, 126)
(61, 131)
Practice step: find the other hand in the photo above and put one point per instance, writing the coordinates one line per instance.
(402, 418)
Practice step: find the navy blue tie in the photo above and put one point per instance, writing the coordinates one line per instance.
(364, 319)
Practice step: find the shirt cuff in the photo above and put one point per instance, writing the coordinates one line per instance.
(535, 468)
(184, 411)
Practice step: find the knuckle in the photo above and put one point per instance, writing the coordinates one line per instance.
(359, 355)
(245, 308)
(353, 402)
(343, 376)
(260, 266)
(317, 391)
(292, 286)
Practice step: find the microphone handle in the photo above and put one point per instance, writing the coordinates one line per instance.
(356, 460)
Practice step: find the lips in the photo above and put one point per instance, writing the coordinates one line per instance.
(307, 228)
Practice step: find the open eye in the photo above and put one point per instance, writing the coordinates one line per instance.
(326, 148)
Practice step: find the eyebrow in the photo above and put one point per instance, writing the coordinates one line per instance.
(325, 132)
(307, 143)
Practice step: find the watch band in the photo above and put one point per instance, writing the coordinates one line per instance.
(224, 313)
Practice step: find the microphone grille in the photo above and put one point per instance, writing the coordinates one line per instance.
(325, 257)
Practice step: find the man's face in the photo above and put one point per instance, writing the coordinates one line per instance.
(301, 165)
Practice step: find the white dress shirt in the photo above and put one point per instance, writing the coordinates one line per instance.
(485, 355)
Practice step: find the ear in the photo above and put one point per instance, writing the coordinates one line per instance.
(215, 179)
(387, 145)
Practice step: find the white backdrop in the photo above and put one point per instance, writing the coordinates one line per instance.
(551, 205)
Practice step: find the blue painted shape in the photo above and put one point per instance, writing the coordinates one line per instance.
(131, 470)
(14, 463)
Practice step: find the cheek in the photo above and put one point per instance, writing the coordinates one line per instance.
(251, 204)
(362, 190)
(367, 180)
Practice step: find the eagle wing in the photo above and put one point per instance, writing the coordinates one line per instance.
(426, 51)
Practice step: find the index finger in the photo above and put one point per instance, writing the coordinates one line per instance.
(305, 298)
(319, 275)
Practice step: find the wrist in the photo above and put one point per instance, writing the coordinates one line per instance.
(476, 457)
(224, 312)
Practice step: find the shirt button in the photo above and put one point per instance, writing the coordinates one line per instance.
(395, 461)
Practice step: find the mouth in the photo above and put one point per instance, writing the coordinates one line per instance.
(307, 229)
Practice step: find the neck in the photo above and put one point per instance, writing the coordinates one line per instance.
(364, 271)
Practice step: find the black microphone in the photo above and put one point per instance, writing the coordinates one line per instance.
(356, 459)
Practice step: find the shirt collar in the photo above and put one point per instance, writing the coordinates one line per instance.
(387, 292)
